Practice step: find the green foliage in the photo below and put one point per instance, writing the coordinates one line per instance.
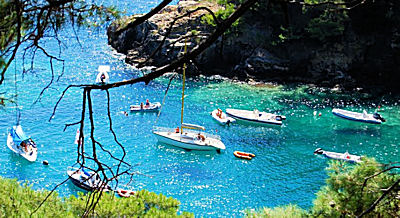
(21, 201)
(29, 22)
(290, 211)
(344, 195)
(328, 25)
(229, 8)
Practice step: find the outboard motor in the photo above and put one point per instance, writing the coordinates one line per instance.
(378, 117)
(318, 151)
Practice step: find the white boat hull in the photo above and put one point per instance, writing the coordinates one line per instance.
(340, 156)
(355, 116)
(255, 117)
(31, 155)
(224, 119)
(153, 107)
(188, 140)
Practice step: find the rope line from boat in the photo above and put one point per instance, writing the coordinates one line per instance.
(17, 111)
(165, 96)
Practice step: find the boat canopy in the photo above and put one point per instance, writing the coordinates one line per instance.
(103, 69)
(192, 126)
(18, 135)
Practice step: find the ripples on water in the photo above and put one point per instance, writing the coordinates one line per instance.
(208, 184)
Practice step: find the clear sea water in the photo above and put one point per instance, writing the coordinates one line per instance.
(207, 184)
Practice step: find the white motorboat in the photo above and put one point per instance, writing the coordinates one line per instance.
(255, 117)
(339, 156)
(221, 117)
(102, 76)
(86, 179)
(192, 139)
(364, 117)
(20, 144)
(151, 107)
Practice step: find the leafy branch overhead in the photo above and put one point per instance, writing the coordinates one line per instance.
(27, 22)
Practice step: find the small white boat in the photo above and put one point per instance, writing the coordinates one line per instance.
(151, 107)
(221, 117)
(339, 156)
(102, 76)
(87, 180)
(255, 117)
(359, 117)
(20, 144)
(190, 140)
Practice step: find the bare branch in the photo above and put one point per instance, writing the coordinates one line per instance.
(143, 18)
(386, 192)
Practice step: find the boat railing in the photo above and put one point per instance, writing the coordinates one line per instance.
(167, 129)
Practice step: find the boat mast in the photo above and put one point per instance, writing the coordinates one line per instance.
(183, 88)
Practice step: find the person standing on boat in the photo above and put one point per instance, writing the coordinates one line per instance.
(103, 78)
(147, 103)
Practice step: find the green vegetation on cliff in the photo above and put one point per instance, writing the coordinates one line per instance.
(21, 201)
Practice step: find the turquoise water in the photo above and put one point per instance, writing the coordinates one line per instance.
(208, 184)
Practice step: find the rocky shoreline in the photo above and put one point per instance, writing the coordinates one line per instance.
(356, 59)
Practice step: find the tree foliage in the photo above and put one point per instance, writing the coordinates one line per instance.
(27, 22)
(350, 191)
(345, 193)
(21, 201)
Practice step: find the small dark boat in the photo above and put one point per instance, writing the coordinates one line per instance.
(87, 180)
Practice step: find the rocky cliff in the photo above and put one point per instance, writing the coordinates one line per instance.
(276, 42)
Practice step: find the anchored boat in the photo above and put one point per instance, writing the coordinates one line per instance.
(221, 117)
(103, 77)
(86, 180)
(188, 136)
(20, 144)
(339, 156)
(255, 117)
(243, 155)
(364, 117)
(151, 107)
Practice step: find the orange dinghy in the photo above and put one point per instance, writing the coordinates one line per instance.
(243, 155)
(125, 193)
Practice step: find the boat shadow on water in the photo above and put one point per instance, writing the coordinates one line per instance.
(19, 160)
(358, 131)
(75, 189)
(178, 150)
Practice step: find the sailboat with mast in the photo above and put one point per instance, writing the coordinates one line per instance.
(188, 136)
(17, 141)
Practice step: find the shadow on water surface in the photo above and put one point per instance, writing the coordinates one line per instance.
(359, 131)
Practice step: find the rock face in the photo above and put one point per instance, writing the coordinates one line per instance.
(366, 54)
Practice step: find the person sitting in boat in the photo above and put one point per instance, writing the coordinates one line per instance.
(32, 143)
(147, 103)
(141, 106)
(177, 130)
(219, 113)
(24, 146)
(201, 137)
